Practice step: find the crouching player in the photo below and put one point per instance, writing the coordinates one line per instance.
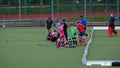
(53, 36)
(81, 31)
(73, 35)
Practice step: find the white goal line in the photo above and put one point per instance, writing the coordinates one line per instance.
(101, 62)
(85, 52)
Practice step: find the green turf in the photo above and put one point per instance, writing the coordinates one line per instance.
(26, 47)
(104, 47)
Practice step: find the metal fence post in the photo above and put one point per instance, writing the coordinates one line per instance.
(118, 12)
(19, 11)
(52, 9)
(85, 9)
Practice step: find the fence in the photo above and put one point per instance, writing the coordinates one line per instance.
(29, 9)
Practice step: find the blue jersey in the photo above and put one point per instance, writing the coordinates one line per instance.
(84, 22)
(62, 43)
(111, 21)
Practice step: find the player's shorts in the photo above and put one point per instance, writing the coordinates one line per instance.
(73, 37)
(82, 34)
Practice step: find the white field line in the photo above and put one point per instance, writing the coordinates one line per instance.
(96, 62)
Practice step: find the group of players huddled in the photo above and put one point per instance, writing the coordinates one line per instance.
(60, 34)
(78, 32)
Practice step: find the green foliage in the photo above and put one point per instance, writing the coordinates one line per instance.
(1, 2)
(93, 19)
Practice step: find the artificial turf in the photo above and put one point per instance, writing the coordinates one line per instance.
(104, 47)
(27, 47)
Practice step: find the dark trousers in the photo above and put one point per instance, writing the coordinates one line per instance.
(66, 36)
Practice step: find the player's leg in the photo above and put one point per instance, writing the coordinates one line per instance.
(79, 38)
(82, 39)
(109, 31)
(115, 32)
(58, 43)
(75, 42)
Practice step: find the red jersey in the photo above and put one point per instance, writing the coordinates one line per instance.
(80, 27)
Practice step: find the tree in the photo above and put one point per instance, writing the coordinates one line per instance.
(40, 2)
(1, 2)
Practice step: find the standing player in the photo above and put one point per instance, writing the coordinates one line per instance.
(65, 29)
(61, 40)
(73, 34)
(49, 24)
(84, 22)
(81, 30)
(111, 28)
(53, 36)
